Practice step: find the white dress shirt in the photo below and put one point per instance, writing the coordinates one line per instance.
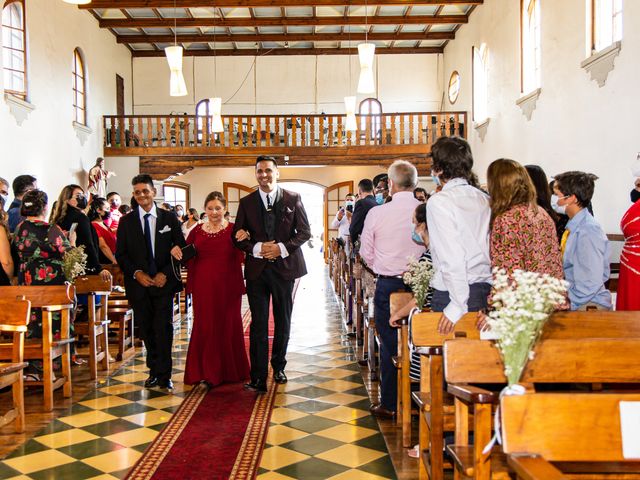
(257, 248)
(458, 222)
(385, 242)
(342, 225)
(152, 224)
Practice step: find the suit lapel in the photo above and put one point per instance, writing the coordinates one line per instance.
(279, 205)
(160, 223)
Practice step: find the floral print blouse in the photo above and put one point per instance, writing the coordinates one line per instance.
(525, 238)
(40, 248)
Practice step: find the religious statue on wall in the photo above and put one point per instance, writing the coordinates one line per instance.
(98, 177)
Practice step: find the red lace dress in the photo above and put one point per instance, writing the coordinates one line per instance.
(217, 351)
(628, 297)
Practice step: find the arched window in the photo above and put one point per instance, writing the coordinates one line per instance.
(480, 84)
(607, 23)
(370, 107)
(530, 45)
(177, 193)
(14, 50)
(202, 115)
(79, 88)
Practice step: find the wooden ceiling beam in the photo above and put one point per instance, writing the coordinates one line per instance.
(281, 21)
(243, 52)
(282, 37)
(262, 3)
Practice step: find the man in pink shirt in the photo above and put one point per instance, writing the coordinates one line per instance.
(386, 247)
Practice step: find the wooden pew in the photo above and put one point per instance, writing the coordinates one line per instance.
(357, 301)
(122, 320)
(50, 299)
(96, 328)
(14, 317)
(581, 432)
(558, 359)
(436, 407)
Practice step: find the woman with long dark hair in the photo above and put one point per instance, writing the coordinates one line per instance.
(99, 212)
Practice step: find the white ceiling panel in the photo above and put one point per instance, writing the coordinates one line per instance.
(383, 28)
(447, 27)
(236, 13)
(204, 12)
(127, 31)
(432, 43)
(301, 44)
(217, 30)
(299, 11)
(387, 11)
(112, 13)
(142, 13)
(299, 29)
(246, 45)
(168, 13)
(329, 29)
(330, 11)
(405, 43)
(270, 29)
(267, 12)
(413, 28)
(141, 46)
(155, 31)
(326, 44)
(455, 9)
(423, 10)
(221, 45)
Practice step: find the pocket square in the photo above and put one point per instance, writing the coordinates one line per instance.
(166, 229)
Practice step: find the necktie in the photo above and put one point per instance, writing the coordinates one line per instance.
(269, 203)
(563, 241)
(147, 237)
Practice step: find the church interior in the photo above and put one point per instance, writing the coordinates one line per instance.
(191, 93)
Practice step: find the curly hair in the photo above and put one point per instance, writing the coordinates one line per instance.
(509, 185)
(34, 203)
(452, 157)
(61, 204)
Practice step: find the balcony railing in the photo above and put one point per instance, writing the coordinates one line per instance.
(168, 132)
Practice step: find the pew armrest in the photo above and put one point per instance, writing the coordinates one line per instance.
(428, 350)
(471, 394)
(534, 468)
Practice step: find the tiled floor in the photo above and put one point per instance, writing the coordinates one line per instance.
(320, 426)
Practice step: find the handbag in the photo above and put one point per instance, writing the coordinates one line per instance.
(188, 253)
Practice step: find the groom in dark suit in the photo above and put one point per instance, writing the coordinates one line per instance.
(147, 237)
(277, 225)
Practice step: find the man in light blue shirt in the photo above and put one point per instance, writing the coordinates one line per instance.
(585, 247)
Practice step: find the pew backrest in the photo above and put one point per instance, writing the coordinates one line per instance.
(397, 300)
(423, 329)
(592, 324)
(14, 314)
(51, 298)
(92, 284)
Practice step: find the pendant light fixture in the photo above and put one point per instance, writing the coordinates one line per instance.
(366, 52)
(215, 103)
(177, 85)
(350, 102)
(77, 2)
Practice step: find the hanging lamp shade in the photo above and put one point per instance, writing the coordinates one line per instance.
(77, 2)
(215, 106)
(366, 52)
(350, 108)
(177, 85)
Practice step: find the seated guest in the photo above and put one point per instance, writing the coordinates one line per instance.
(366, 201)
(21, 185)
(6, 272)
(115, 202)
(458, 221)
(342, 220)
(192, 221)
(99, 213)
(386, 246)
(585, 248)
(562, 218)
(420, 194)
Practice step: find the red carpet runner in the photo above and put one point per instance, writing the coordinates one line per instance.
(214, 434)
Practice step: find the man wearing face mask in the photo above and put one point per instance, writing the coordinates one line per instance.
(114, 204)
(628, 297)
(382, 190)
(342, 220)
(386, 246)
(584, 245)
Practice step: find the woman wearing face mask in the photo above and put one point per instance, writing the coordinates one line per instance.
(99, 213)
(628, 297)
(70, 207)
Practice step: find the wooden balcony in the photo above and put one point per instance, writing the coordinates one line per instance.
(171, 144)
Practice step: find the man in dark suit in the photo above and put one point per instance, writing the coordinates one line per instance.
(277, 225)
(147, 237)
(366, 201)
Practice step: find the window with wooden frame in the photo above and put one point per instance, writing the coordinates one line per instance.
(370, 107)
(177, 193)
(530, 52)
(14, 50)
(480, 83)
(79, 88)
(202, 115)
(606, 23)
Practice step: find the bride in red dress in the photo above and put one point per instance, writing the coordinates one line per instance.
(216, 350)
(628, 297)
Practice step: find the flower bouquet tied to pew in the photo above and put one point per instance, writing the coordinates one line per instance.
(521, 304)
(418, 278)
(74, 263)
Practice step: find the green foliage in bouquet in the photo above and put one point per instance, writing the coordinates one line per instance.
(74, 263)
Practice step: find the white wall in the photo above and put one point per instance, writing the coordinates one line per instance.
(576, 125)
(288, 84)
(46, 145)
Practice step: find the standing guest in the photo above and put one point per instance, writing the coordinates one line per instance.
(628, 297)
(386, 246)
(179, 211)
(585, 248)
(69, 210)
(6, 272)
(458, 221)
(98, 177)
(366, 201)
(146, 240)
(216, 349)
(21, 185)
(420, 194)
(166, 206)
(99, 213)
(192, 221)
(115, 202)
(124, 210)
(342, 220)
(227, 216)
(277, 225)
(382, 190)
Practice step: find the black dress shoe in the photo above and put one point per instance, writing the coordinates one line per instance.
(168, 384)
(151, 382)
(279, 377)
(259, 386)
(379, 411)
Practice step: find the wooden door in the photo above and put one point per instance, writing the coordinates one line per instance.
(119, 95)
(333, 200)
(233, 192)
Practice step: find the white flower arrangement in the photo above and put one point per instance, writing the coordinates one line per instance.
(522, 303)
(74, 263)
(418, 277)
